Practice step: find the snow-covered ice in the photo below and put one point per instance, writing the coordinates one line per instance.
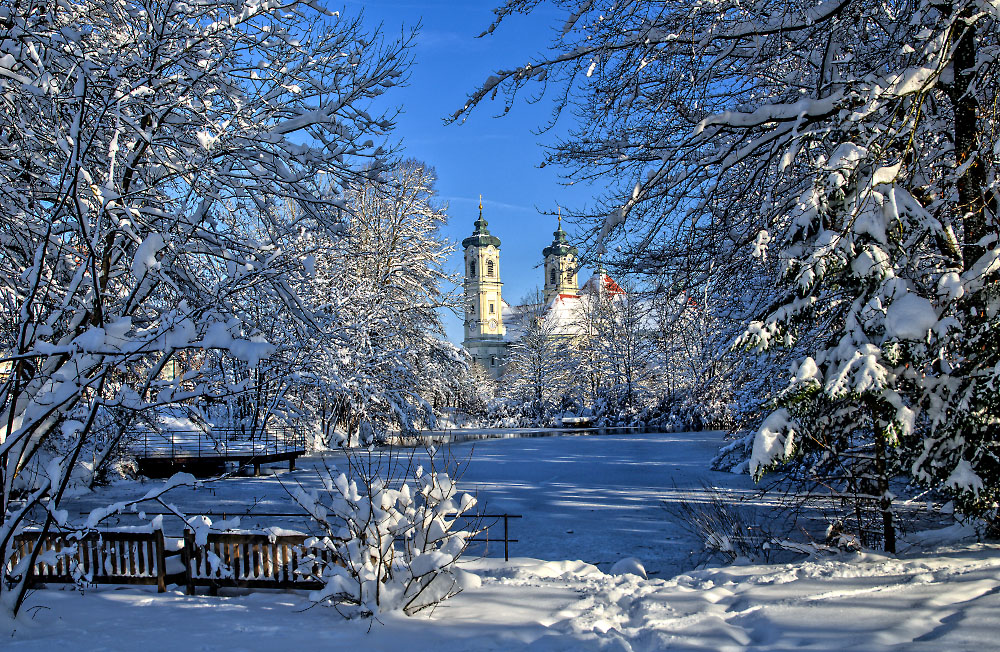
(589, 504)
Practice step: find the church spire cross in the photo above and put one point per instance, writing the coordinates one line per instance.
(481, 223)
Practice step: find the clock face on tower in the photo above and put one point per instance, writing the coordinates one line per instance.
(493, 324)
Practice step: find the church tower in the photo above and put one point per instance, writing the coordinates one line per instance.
(484, 329)
(561, 261)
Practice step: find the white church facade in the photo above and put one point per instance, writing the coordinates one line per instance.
(486, 333)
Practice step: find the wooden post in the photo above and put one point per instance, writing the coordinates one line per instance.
(256, 468)
(291, 464)
(187, 556)
(161, 562)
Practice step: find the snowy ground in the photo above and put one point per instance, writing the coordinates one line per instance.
(589, 500)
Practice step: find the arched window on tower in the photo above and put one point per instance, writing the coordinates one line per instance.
(472, 269)
(552, 276)
(489, 268)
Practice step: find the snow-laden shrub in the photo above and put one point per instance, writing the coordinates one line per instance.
(396, 548)
(725, 528)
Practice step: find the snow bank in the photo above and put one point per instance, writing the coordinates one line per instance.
(629, 566)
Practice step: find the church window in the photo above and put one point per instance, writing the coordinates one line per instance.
(493, 361)
(489, 268)
(552, 276)
(491, 307)
(472, 268)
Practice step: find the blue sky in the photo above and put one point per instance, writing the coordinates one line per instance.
(497, 157)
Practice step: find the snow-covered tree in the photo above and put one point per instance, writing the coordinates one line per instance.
(147, 151)
(538, 373)
(617, 348)
(378, 352)
(857, 143)
(700, 376)
(476, 390)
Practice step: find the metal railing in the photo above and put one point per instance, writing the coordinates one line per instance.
(458, 435)
(217, 442)
(485, 532)
(482, 522)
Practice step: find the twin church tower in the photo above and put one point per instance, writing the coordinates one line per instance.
(485, 334)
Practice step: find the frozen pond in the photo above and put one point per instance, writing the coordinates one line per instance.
(599, 499)
(593, 498)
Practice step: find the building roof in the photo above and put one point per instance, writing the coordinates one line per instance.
(481, 237)
(566, 313)
(560, 244)
(601, 282)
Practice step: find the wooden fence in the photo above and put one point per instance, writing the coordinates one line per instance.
(97, 558)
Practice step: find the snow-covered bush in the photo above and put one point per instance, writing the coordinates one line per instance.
(396, 548)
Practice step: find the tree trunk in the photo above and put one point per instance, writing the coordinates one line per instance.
(971, 197)
(882, 482)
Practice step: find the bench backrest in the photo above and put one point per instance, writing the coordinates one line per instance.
(253, 560)
(95, 558)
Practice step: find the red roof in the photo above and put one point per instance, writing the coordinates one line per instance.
(611, 286)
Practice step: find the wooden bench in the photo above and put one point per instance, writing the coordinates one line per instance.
(226, 560)
(98, 558)
(252, 561)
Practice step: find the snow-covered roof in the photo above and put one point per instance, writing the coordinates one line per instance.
(565, 312)
(514, 319)
(599, 282)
